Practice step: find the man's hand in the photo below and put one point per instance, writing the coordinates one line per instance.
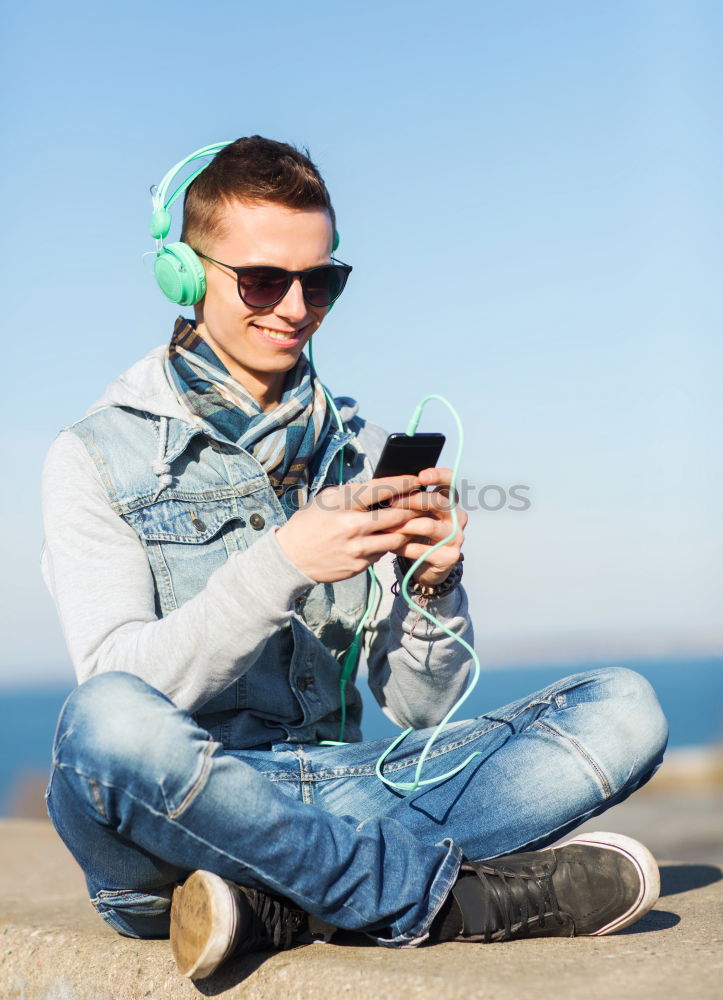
(335, 536)
(432, 521)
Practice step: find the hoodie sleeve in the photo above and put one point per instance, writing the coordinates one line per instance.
(416, 671)
(98, 575)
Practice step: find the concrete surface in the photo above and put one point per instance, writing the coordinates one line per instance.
(53, 947)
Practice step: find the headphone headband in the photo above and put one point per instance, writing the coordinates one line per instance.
(161, 217)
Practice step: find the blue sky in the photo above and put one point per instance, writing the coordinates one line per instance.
(529, 194)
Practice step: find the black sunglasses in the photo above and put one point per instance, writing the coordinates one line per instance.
(261, 287)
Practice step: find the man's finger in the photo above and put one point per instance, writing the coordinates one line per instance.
(379, 545)
(426, 527)
(436, 501)
(373, 522)
(435, 477)
(367, 495)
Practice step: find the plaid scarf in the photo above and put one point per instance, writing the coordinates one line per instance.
(283, 440)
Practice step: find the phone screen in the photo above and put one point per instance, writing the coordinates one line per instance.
(405, 455)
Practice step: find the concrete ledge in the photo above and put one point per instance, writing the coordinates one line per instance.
(54, 947)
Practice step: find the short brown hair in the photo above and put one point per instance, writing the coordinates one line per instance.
(251, 169)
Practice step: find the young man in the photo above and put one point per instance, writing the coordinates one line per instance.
(210, 575)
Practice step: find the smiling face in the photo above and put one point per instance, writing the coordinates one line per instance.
(259, 346)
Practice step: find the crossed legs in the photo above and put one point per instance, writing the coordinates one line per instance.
(142, 796)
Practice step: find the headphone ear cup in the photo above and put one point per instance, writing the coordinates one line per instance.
(180, 274)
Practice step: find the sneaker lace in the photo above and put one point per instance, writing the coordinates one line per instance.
(275, 922)
(515, 898)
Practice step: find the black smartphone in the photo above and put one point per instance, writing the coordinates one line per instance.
(407, 455)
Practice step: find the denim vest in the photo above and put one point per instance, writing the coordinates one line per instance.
(220, 501)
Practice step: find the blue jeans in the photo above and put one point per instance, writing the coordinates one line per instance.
(141, 796)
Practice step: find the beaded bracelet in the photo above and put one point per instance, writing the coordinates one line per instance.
(428, 592)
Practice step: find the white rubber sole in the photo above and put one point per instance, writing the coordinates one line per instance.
(644, 862)
(204, 923)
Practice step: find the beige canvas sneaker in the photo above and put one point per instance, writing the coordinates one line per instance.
(212, 917)
(205, 923)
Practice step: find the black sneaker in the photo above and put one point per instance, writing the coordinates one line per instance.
(595, 884)
(212, 917)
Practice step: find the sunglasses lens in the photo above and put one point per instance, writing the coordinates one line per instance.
(263, 287)
(324, 284)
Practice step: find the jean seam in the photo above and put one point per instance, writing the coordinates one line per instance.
(389, 767)
(59, 740)
(103, 895)
(599, 773)
(197, 785)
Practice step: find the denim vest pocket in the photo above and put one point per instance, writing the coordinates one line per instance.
(314, 678)
(332, 611)
(186, 540)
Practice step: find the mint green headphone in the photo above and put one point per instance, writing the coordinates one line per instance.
(178, 269)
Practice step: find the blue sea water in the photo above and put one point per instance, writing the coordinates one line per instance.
(690, 691)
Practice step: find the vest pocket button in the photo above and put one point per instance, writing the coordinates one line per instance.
(257, 522)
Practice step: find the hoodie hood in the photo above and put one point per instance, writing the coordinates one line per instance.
(147, 386)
